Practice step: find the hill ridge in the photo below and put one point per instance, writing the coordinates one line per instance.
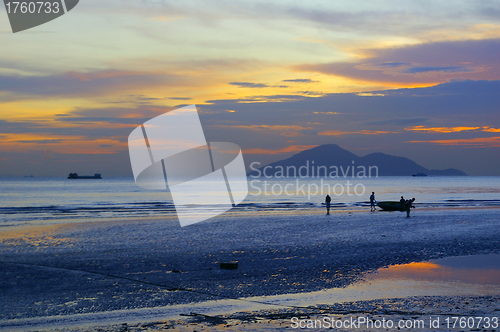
(332, 156)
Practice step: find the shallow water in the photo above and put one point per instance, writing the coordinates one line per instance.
(477, 275)
(28, 200)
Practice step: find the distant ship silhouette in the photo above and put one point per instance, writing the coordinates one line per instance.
(76, 176)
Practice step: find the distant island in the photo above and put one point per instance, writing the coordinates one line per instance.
(331, 157)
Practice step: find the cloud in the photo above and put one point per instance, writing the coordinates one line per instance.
(266, 123)
(64, 144)
(41, 141)
(277, 127)
(285, 130)
(394, 64)
(288, 149)
(369, 94)
(327, 113)
(425, 63)
(458, 104)
(478, 142)
(446, 69)
(88, 123)
(300, 80)
(257, 85)
(440, 129)
(398, 121)
(400, 18)
(78, 84)
(370, 18)
(454, 104)
(491, 130)
(249, 85)
(258, 99)
(490, 8)
(360, 132)
(111, 116)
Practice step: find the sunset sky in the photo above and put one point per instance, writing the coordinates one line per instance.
(419, 79)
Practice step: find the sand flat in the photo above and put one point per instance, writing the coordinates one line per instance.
(127, 264)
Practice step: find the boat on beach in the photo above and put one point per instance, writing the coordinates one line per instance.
(390, 206)
(76, 176)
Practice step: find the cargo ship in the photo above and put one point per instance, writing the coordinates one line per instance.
(76, 176)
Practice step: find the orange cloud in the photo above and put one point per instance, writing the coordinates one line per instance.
(277, 127)
(480, 142)
(441, 129)
(491, 130)
(60, 144)
(291, 148)
(361, 132)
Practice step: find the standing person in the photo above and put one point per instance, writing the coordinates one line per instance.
(402, 203)
(328, 200)
(372, 202)
(408, 206)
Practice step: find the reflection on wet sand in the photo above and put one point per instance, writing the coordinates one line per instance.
(463, 276)
(453, 277)
(481, 269)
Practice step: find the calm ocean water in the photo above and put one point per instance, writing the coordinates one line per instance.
(38, 199)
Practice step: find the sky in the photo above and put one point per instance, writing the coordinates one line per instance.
(419, 79)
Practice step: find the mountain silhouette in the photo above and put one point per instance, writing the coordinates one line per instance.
(333, 155)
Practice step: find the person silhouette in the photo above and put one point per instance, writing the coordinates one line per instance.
(402, 203)
(372, 202)
(328, 200)
(408, 206)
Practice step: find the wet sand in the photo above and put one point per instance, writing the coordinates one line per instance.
(415, 312)
(106, 266)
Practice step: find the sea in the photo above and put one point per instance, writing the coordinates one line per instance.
(46, 200)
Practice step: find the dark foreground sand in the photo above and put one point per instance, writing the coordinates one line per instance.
(413, 313)
(104, 266)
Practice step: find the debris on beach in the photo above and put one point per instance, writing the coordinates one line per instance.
(229, 266)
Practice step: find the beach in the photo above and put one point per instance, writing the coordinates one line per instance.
(105, 272)
(249, 166)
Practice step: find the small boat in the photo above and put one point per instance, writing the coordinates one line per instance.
(76, 176)
(390, 206)
(229, 266)
(419, 174)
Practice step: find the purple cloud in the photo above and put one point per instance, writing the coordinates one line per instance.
(422, 63)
